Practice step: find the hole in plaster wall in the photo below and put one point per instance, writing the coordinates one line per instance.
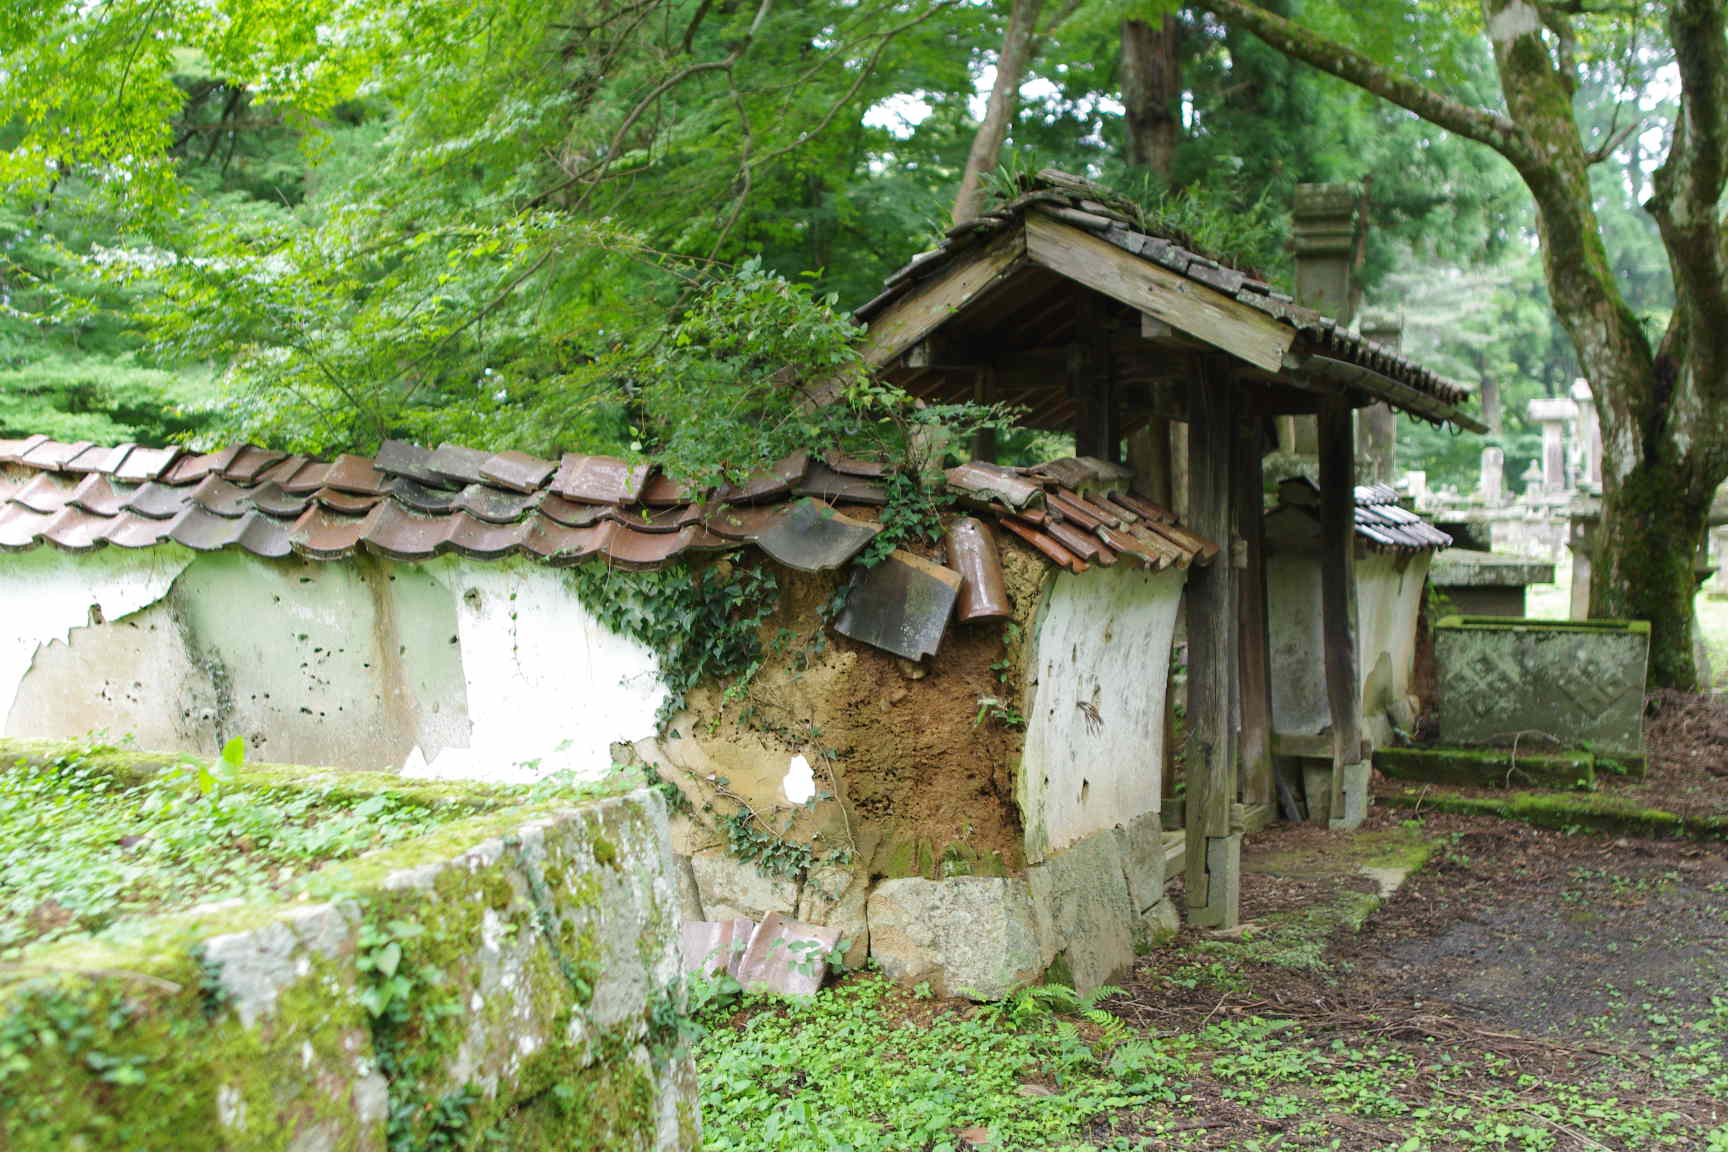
(1085, 790)
(800, 782)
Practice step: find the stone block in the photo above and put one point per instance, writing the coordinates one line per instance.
(971, 935)
(1317, 790)
(732, 889)
(1579, 683)
(836, 897)
(1354, 793)
(1223, 906)
(1488, 767)
(1086, 916)
(1141, 845)
(1157, 925)
(689, 898)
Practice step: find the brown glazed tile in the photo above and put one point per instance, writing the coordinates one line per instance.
(192, 468)
(21, 528)
(1101, 515)
(698, 538)
(214, 494)
(517, 471)
(745, 523)
(355, 475)
(143, 464)
(1200, 548)
(1143, 548)
(271, 500)
(249, 463)
(394, 532)
(74, 530)
(130, 530)
(571, 513)
(418, 497)
(1075, 512)
(14, 451)
(305, 480)
(777, 481)
(600, 479)
(643, 550)
(825, 483)
(644, 519)
(99, 494)
(561, 544)
(47, 492)
(407, 461)
(812, 537)
(495, 505)
(786, 957)
(456, 464)
(1144, 507)
(1051, 548)
(325, 535)
(99, 459)
(662, 491)
(53, 455)
(900, 605)
(282, 471)
(484, 541)
(972, 552)
(158, 501)
(1078, 541)
(265, 536)
(339, 501)
(203, 531)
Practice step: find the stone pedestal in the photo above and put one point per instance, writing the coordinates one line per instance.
(1555, 415)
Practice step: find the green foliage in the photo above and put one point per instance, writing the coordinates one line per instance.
(701, 621)
(81, 851)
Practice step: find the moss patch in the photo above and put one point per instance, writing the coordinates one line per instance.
(1591, 813)
(1488, 767)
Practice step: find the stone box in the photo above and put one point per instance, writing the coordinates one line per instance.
(1575, 683)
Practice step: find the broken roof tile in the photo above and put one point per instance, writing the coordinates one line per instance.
(777, 480)
(746, 523)
(812, 537)
(900, 605)
(972, 552)
(356, 475)
(158, 501)
(786, 957)
(600, 479)
(517, 471)
(993, 482)
(855, 465)
(458, 464)
(826, 483)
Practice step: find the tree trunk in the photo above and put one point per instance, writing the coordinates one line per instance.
(1152, 93)
(999, 112)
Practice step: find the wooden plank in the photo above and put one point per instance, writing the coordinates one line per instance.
(1186, 305)
(1212, 648)
(1338, 587)
(934, 301)
(1257, 780)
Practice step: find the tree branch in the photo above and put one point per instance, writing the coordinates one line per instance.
(1353, 67)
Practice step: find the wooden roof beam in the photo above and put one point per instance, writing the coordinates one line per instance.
(919, 312)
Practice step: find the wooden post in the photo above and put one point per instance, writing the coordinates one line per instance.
(1091, 382)
(1257, 780)
(1149, 456)
(1214, 846)
(1338, 604)
(984, 392)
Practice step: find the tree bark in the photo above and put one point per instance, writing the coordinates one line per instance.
(1663, 409)
(1152, 93)
(1011, 66)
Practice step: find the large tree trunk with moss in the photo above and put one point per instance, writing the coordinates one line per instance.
(1663, 408)
(1152, 92)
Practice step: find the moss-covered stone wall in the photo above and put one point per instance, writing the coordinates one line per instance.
(510, 980)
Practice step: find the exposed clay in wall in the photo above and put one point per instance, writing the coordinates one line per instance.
(927, 787)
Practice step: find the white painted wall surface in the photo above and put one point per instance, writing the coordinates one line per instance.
(1094, 749)
(454, 669)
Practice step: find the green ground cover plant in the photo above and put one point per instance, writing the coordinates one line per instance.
(83, 848)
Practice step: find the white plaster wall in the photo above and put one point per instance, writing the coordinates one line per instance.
(548, 687)
(1389, 591)
(454, 669)
(1094, 748)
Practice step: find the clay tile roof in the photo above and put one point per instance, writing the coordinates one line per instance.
(410, 504)
(1380, 521)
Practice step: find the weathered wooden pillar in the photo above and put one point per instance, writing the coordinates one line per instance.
(1091, 382)
(984, 392)
(1338, 609)
(1213, 842)
(1255, 642)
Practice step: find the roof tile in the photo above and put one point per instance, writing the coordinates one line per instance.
(52, 454)
(458, 464)
(776, 481)
(495, 505)
(473, 537)
(48, 492)
(219, 497)
(99, 459)
(517, 471)
(147, 463)
(600, 479)
(401, 535)
(14, 451)
(204, 531)
(403, 460)
(273, 501)
(324, 534)
(130, 530)
(249, 463)
(158, 501)
(812, 537)
(356, 475)
(75, 530)
(99, 494)
(20, 527)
